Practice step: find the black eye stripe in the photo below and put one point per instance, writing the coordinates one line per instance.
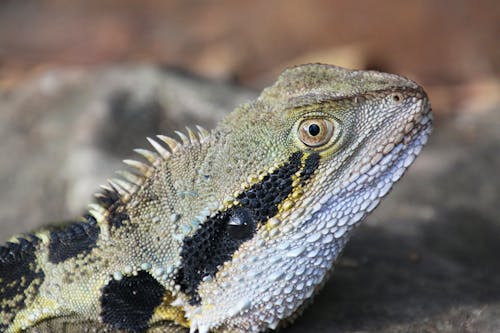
(311, 164)
(214, 243)
(263, 198)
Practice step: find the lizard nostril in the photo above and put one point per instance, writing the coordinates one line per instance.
(397, 97)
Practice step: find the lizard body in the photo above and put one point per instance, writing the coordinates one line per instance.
(231, 230)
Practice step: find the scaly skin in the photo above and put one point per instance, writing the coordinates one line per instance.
(227, 231)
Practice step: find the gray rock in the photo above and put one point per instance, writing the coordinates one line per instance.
(426, 261)
(66, 132)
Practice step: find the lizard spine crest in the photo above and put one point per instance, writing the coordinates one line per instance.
(121, 189)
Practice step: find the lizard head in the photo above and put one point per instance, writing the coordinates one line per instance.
(310, 158)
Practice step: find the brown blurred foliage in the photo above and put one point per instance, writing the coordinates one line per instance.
(451, 47)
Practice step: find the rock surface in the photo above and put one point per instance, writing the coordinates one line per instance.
(66, 132)
(426, 261)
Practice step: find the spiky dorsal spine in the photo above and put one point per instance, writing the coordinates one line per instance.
(122, 188)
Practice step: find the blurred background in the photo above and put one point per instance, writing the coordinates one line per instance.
(82, 83)
(451, 47)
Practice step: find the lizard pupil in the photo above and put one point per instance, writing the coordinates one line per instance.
(314, 129)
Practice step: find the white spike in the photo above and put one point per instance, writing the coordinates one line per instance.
(117, 187)
(177, 302)
(141, 167)
(193, 328)
(171, 143)
(130, 177)
(202, 329)
(149, 155)
(99, 195)
(184, 138)
(202, 133)
(97, 211)
(105, 188)
(124, 184)
(159, 148)
(192, 135)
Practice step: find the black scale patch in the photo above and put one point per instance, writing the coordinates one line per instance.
(212, 245)
(116, 218)
(220, 236)
(312, 163)
(73, 239)
(129, 304)
(19, 271)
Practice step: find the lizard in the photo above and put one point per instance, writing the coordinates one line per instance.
(232, 230)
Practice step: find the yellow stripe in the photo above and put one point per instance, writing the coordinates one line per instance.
(296, 193)
(166, 312)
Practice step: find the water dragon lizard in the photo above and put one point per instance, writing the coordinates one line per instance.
(232, 230)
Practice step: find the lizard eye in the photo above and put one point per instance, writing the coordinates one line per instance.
(315, 132)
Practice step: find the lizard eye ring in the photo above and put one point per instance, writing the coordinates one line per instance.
(315, 132)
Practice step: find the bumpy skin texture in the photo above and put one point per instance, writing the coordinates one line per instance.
(228, 231)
